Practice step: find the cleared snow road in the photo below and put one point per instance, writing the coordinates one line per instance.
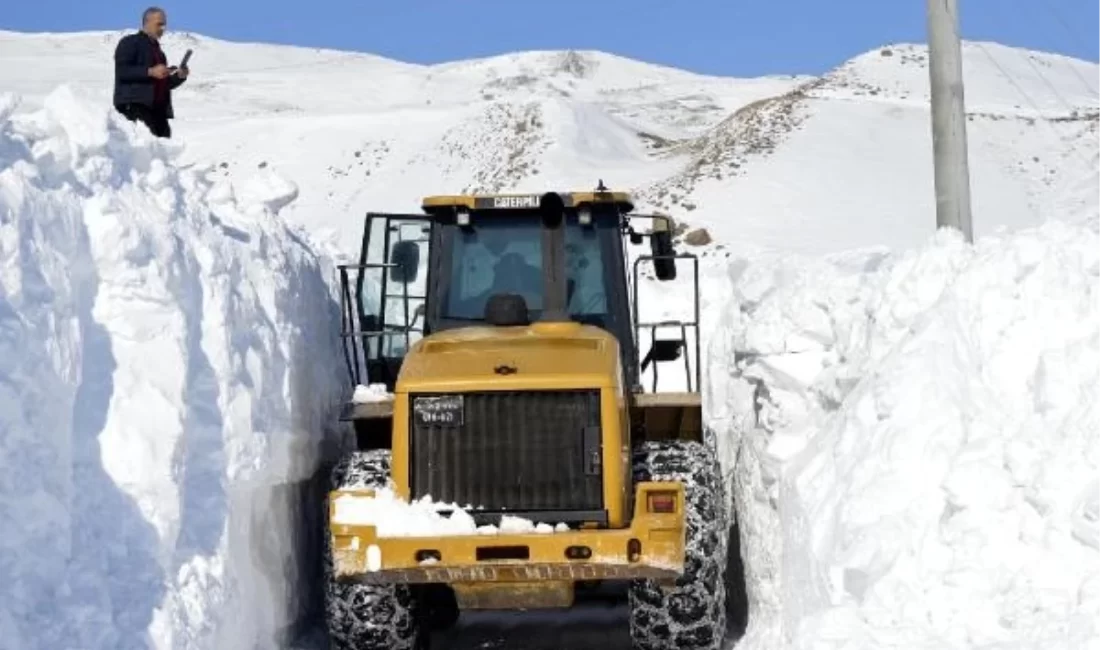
(591, 625)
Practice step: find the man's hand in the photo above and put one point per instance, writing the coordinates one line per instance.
(182, 73)
(159, 71)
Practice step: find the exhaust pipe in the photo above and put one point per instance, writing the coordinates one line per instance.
(555, 306)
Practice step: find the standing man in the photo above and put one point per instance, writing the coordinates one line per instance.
(143, 80)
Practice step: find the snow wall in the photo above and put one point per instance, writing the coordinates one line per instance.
(916, 438)
(169, 371)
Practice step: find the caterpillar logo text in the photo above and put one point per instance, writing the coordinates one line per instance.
(529, 201)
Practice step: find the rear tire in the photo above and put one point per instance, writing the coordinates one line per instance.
(691, 615)
(361, 616)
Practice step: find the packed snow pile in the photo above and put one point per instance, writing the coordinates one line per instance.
(920, 462)
(371, 393)
(393, 516)
(396, 517)
(168, 370)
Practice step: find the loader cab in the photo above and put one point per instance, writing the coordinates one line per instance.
(430, 272)
(490, 252)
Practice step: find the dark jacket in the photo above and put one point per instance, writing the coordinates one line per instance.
(134, 55)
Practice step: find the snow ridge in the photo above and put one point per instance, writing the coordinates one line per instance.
(168, 366)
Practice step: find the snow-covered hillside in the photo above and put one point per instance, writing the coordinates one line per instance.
(910, 423)
(359, 132)
(166, 385)
(801, 163)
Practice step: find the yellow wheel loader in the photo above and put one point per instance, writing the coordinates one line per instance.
(506, 331)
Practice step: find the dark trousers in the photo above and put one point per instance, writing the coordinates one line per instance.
(155, 118)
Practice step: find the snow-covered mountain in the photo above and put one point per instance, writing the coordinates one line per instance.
(795, 163)
(912, 434)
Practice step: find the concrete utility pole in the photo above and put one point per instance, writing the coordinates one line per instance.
(948, 118)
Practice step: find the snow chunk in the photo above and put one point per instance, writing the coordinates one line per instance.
(168, 371)
(371, 393)
(919, 457)
(510, 525)
(267, 191)
(374, 558)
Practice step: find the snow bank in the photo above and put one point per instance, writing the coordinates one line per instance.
(168, 366)
(919, 464)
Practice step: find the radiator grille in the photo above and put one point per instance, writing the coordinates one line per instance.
(509, 451)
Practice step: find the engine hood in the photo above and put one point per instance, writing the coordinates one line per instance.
(541, 355)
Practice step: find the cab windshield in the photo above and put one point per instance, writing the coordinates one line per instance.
(502, 253)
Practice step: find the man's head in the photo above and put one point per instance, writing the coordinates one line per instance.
(153, 22)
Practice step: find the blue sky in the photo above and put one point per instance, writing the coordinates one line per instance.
(731, 37)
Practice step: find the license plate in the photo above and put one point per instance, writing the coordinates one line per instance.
(439, 411)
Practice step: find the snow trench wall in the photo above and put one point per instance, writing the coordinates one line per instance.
(169, 371)
(915, 442)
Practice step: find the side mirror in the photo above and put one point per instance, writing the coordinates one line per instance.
(660, 244)
(405, 258)
(663, 350)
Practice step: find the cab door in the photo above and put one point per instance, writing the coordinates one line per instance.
(385, 296)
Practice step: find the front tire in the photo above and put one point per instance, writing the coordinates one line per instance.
(361, 616)
(692, 614)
